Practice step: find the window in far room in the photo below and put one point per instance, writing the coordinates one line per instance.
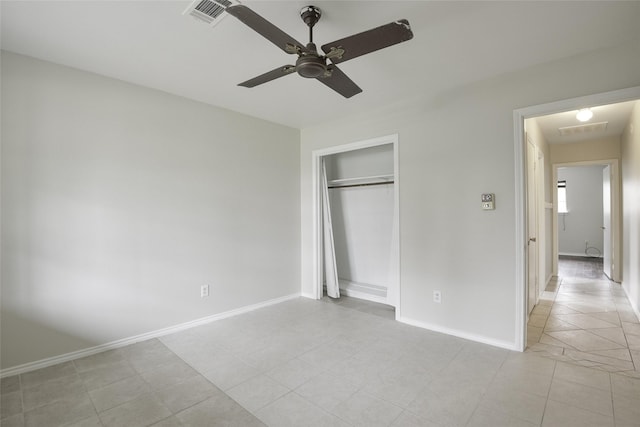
(562, 197)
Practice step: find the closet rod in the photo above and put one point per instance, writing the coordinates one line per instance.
(361, 185)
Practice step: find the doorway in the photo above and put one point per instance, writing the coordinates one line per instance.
(318, 162)
(522, 237)
(599, 225)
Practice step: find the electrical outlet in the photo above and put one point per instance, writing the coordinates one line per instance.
(204, 291)
(437, 297)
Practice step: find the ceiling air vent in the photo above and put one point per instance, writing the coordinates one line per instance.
(583, 129)
(208, 11)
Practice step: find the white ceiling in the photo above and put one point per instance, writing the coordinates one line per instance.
(616, 117)
(152, 44)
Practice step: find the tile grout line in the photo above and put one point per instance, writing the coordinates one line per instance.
(86, 390)
(21, 397)
(546, 401)
(613, 406)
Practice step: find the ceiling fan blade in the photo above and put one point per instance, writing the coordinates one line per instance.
(265, 28)
(269, 75)
(369, 41)
(338, 81)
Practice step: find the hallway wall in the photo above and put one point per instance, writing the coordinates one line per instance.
(631, 208)
(535, 134)
(598, 149)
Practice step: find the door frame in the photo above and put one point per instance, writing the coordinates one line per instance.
(519, 116)
(616, 235)
(607, 224)
(316, 208)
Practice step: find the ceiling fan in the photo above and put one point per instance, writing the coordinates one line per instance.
(310, 63)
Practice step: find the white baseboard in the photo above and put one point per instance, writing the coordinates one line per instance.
(306, 295)
(365, 291)
(377, 290)
(50, 361)
(581, 254)
(460, 334)
(363, 295)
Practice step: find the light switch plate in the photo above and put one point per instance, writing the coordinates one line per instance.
(488, 201)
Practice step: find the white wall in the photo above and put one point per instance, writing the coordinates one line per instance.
(362, 219)
(370, 161)
(631, 208)
(119, 202)
(584, 220)
(453, 148)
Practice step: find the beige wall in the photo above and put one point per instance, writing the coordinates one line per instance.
(532, 128)
(119, 202)
(533, 131)
(630, 148)
(600, 149)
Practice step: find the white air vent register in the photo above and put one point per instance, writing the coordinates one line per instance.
(583, 129)
(209, 11)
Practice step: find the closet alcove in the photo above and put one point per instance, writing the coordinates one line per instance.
(361, 204)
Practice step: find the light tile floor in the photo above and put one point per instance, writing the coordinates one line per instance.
(318, 363)
(586, 319)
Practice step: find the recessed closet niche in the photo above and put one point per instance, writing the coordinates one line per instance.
(359, 218)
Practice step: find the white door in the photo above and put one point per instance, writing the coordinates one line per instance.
(606, 220)
(532, 227)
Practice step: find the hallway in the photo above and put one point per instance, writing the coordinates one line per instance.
(585, 319)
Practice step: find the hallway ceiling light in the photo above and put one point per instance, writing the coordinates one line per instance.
(584, 114)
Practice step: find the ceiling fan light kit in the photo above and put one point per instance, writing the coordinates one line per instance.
(311, 64)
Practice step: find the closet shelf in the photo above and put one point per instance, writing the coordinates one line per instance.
(361, 180)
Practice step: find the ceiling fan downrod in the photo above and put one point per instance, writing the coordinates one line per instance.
(310, 15)
(310, 64)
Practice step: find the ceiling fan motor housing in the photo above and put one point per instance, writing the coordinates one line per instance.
(311, 65)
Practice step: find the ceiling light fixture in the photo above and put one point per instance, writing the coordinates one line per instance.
(584, 114)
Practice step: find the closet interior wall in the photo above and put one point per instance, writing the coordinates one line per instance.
(361, 195)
